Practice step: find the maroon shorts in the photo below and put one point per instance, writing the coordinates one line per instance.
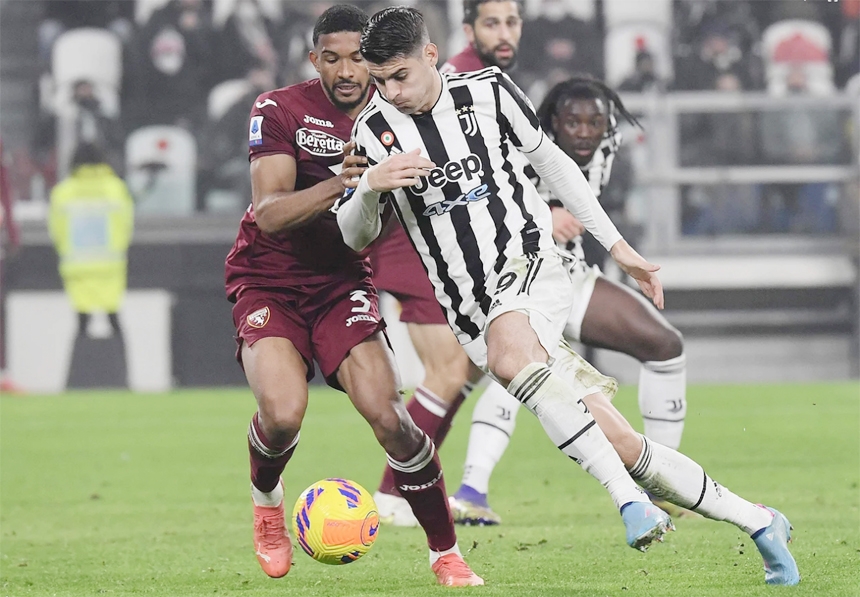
(397, 269)
(324, 322)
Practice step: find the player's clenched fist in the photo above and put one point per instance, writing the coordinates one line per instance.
(398, 171)
(353, 166)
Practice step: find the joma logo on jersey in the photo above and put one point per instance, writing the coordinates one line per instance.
(318, 121)
(319, 143)
(477, 194)
(466, 169)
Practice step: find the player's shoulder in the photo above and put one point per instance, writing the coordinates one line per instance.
(474, 78)
(286, 98)
(375, 105)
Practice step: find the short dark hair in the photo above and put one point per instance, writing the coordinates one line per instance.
(470, 9)
(393, 32)
(87, 153)
(338, 18)
(586, 87)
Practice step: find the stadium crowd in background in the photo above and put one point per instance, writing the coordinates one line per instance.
(187, 63)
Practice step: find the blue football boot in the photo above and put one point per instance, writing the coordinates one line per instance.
(772, 542)
(645, 523)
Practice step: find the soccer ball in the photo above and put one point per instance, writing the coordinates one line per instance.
(335, 521)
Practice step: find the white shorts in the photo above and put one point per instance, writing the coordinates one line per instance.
(538, 285)
(584, 278)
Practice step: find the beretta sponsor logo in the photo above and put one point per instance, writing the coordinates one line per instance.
(319, 142)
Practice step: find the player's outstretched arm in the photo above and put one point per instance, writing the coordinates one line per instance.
(359, 214)
(278, 207)
(569, 185)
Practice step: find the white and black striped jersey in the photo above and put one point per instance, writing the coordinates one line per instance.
(476, 209)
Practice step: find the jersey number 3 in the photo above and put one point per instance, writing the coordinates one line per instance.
(360, 296)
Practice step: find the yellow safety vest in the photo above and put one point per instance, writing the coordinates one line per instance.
(91, 221)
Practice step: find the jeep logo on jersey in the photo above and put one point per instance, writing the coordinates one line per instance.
(319, 143)
(453, 171)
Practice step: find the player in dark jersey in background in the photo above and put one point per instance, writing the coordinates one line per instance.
(301, 295)
(580, 116)
(493, 28)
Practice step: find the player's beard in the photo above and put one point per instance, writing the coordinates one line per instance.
(488, 56)
(346, 106)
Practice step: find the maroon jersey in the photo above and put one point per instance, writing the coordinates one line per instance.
(301, 122)
(464, 62)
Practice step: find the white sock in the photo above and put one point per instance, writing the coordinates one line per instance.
(493, 423)
(571, 427)
(270, 499)
(435, 555)
(663, 399)
(671, 476)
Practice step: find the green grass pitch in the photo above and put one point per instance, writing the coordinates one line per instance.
(121, 494)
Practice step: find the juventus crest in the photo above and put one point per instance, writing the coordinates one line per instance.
(468, 122)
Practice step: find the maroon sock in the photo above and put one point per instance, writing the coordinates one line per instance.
(445, 425)
(428, 412)
(419, 480)
(267, 460)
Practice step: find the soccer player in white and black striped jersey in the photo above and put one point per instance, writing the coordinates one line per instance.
(438, 147)
(483, 234)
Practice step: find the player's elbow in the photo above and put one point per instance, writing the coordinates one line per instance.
(356, 240)
(266, 224)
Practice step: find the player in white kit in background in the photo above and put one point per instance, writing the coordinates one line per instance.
(438, 149)
(581, 114)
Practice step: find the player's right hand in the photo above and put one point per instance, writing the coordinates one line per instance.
(565, 226)
(398, 171)
(352, 168)
(637, 267)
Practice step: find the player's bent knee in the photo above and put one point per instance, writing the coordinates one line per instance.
(280, 418)
(658, 344)
(669, 345)
(395, 431)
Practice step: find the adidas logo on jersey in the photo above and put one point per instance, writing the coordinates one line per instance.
(467, 168)
(319, 143)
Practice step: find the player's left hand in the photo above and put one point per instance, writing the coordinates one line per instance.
(640, 270)
(353, 166)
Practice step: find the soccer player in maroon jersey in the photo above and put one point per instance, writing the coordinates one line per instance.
(493, 28)
(301, 295)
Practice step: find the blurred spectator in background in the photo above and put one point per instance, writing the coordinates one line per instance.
(9, 241)
(557, 44)
(644, 77)
(85, 121)
(90, 222)
(170, 67)
(720, 139)
(224, 163)
(848, 42)
(62, 15)
(249, 38)
(713, 37)
(800, 134)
